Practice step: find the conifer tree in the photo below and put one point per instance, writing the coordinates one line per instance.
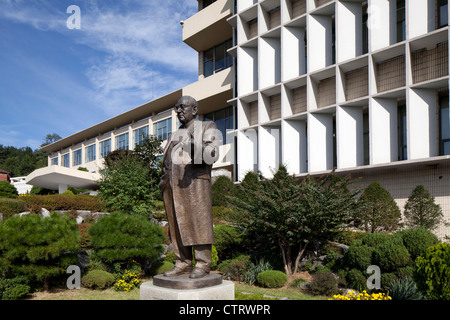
(421, 210)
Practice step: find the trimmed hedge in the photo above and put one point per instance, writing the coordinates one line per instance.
(64, 202)
(98, 279)
(272, 279)
(10, 207)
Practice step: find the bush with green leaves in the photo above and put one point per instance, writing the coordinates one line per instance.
(120, 237)
(324, 283)
(272, 279)
(7, 190)
(433, 272)
(390, 256)
(234, 269)
(10, 207)
(14, 289)
(417, 240)
(228, 240)
(98, 279)
(221, 190)
(36, 247)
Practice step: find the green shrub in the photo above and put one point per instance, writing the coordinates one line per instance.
(417, 240)
(272, 279)
(7, 190)
(14, 289)
(40, 248)
(98, 279)
(160, 267)
(358, 256)
(433, 272)
(324, 283)
(375, 239)
(221, 189)
(234, 269)
(404, 289)
(227, 240)
(120, 237)
(67, 193)
(390, 256)
(356, 280)
(10, 207)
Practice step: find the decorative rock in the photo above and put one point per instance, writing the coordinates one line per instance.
(1, 216)
(98, 215)
(84, 213)
(79, 220)
(45, 213)
(24, 213)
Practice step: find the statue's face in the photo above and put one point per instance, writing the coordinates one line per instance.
(185, 112)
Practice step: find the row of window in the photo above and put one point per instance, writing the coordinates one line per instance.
(224, 120)
(161, 130)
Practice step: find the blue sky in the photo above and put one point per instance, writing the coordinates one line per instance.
(59, 80)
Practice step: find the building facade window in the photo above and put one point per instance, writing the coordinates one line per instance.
(66, 160)
(402, 133)
(122, 142)
(90, 153)
(77, 157)
(442, 11)
(162, 129)
(105, 148)
(224, 120)
(55, 161)
(207, 3)
(444, 134)
(140, 135)
(217, 58)
(401, 22)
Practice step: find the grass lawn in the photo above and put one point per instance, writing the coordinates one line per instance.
(250, 293)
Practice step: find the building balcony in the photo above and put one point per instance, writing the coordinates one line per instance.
(212, 92)
(209, 26)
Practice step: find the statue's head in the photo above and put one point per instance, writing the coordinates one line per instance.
(186, 109)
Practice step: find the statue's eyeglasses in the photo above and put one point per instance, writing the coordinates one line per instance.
(182, 107)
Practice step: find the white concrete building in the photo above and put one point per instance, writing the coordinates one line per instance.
(360, 86)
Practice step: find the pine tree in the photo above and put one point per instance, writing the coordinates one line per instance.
(379, 211)
(421, 210)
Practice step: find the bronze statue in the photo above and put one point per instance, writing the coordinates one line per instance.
(186, 189)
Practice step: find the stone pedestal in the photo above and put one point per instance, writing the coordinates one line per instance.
(211, 287)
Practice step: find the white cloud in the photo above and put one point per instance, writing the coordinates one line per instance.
(141, 53)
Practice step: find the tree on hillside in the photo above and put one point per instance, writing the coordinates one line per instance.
(50, 138)
(379, 211)
(291, 214)
(421, 210)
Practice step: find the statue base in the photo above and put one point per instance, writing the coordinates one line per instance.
(210, 287)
